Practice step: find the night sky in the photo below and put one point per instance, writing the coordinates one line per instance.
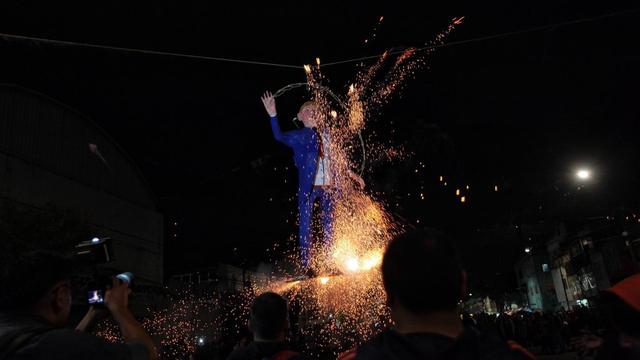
(519, 111)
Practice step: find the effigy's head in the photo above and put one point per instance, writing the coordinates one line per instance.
(309, 114)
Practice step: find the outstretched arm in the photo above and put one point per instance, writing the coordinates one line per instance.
(117, 301)
(269, 102)
(352, 175)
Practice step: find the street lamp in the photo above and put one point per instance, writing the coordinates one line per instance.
(527, 250)
(583, 174)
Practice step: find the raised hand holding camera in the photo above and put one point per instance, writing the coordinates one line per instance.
(117, 297)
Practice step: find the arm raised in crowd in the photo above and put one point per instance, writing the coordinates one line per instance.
(117, 301)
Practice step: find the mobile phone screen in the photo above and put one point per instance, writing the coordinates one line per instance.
(95, 297)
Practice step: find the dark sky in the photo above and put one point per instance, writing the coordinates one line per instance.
(520, 111)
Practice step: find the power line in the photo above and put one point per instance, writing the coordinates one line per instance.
(297, 67)
(146, 52)
(495, 36)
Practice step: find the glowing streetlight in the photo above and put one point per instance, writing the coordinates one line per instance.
(583, 174)
(527, 250)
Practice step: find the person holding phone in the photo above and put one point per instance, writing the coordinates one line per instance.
(35, 303)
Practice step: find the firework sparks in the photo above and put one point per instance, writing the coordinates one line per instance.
(347, 301)
(175, 327)
(374, 32)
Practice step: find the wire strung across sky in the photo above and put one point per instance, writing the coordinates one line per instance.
(496, 36)
(299, 67)
(142, 51)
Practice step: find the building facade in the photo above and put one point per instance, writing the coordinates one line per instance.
(535, 281)
(51, 155)
(573, 266)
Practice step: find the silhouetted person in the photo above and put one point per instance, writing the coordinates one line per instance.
(35, 302)
(424, 282)
(269, 322)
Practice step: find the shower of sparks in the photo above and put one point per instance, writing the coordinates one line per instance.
(177, 326)
(374, 31)
(345, 304)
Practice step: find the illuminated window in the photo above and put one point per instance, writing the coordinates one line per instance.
(545, 267)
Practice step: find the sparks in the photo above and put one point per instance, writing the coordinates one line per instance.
(349, 298)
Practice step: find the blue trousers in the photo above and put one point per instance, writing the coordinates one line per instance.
(305, 205)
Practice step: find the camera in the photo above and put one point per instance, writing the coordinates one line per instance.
(95, 296)
(92, 255)
(93, 252)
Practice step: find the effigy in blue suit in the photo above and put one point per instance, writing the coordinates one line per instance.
(306, 144)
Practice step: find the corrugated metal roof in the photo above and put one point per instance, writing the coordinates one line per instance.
(55, 137)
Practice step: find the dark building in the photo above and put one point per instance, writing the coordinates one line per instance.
(593, 256)
(535, 281)
(579, 260)
(52, 155)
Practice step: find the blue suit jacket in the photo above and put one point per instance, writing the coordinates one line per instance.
(305, 145)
